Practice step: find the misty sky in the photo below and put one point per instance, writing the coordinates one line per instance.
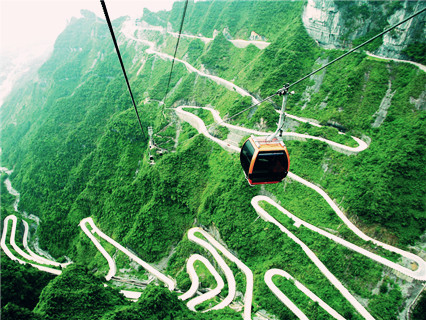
(31, 25)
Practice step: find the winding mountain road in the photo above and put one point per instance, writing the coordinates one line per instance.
(35, 257)
(239, 43)
(419, 274)
(221, 262)
(324, 270)
(170, 283)
(28, 255)
(197, 123)
(111, 263)
(418, 65)
(19, 250)
(278, 272)
(248, 297)
(216, 249)
(195, 282)
(128, 31)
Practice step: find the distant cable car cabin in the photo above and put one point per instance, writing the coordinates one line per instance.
(264, 161)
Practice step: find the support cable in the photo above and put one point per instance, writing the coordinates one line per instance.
(121, 62)
(356, 48)
(176, 48)
(284, 90)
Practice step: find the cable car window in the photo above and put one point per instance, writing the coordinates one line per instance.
(246, 156)
(270, 166)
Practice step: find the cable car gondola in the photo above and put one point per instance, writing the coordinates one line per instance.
(264, 161)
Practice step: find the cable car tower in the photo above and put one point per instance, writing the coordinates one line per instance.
(151, 145)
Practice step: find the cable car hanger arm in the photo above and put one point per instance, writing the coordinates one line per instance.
(176, 48)
(282, 92)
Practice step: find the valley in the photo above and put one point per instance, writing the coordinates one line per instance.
(193, 206)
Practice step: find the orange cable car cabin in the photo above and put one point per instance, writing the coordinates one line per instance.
(264, 161)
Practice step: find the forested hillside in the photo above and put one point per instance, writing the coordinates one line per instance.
(71, 136)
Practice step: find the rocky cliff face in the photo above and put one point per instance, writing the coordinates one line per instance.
(322, 21)
(338, 24)
(395, 42)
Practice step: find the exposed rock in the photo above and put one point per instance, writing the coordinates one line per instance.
(397, 40)
(336, 125)
(380, 114)
(323, 104)
(420, 102)
(290, 124)
(318, 79)
(234, 138)
(162, 264)
(322, 22)
(227, 34)
(169, 27)
(365, 138)
(337, 25)
(256, 37)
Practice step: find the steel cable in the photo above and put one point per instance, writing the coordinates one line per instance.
(121, 62)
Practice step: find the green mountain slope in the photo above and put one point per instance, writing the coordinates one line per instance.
(77, 151)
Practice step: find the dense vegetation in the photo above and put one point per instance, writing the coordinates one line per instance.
(78, 294)
(21, 286)
(74, 142)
